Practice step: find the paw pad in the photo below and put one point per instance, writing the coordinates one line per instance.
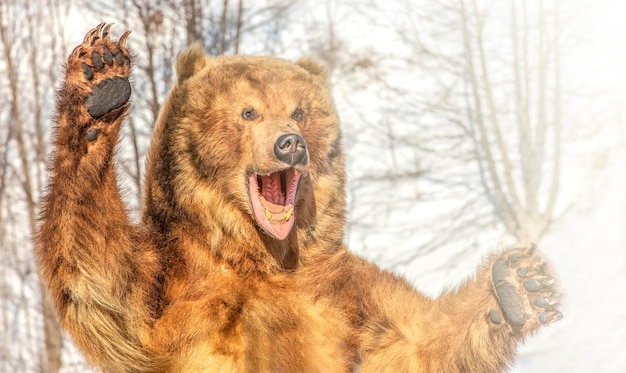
(107, 96)
(104, 65)
(525, 289)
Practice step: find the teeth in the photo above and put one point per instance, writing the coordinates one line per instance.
(269, 215)
(286, 215)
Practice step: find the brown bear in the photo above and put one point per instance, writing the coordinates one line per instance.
(238, 264)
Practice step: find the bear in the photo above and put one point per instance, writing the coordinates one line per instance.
(237, 263)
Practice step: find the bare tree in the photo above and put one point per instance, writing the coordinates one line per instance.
(29, 35)
(474, 121)
(515, 195)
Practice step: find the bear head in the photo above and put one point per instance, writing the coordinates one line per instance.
(248, 143)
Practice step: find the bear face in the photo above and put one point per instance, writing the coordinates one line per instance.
(260, 131)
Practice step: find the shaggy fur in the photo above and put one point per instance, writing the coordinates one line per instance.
(204, 282)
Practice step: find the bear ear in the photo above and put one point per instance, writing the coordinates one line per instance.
(314, 67)
(190, 62)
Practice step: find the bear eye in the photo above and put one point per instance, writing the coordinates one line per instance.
(249, 114)
(297, 115)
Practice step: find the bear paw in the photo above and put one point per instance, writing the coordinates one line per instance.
(100, 68)
(525, 290)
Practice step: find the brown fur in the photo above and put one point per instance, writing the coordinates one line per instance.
(197, 285)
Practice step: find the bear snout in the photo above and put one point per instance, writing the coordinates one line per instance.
(291, 149)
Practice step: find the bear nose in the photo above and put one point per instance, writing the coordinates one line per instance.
(291, 149)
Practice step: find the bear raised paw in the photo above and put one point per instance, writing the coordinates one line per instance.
(238, 263)
(525, 290)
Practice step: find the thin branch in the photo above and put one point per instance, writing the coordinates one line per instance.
(556, 125)
(493, 117)
(502, 207)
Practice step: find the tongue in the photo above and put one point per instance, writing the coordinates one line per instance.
(279, 229)
(274, 219)
(270, 210)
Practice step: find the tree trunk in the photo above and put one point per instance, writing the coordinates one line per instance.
(51, 328)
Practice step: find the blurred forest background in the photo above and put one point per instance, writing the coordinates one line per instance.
(468, 125)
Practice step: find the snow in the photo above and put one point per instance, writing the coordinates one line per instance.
(588, 251)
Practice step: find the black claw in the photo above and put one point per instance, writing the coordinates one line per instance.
(557, 316)
(97, 32)
(122, 40)
(87, 71)
(97, 61)
(107, 56)
(532, 286)
(105, 31)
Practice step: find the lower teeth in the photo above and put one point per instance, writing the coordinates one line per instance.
(286, 215)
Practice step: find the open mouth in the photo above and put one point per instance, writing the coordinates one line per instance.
(273, 197)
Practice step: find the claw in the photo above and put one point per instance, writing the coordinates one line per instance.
(122, 41)
(99, 35)
(105, 31)
(90, 34)
(555, 299)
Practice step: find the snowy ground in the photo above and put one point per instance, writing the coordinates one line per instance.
(588, 249)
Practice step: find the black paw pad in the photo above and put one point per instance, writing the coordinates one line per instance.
(97, 61)
(107, 96)
(107, 56)
(119, 57)
(495, 317)
(511, 303)
(92, 134)
(532, 286)
(525, 289)
(87, 71)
